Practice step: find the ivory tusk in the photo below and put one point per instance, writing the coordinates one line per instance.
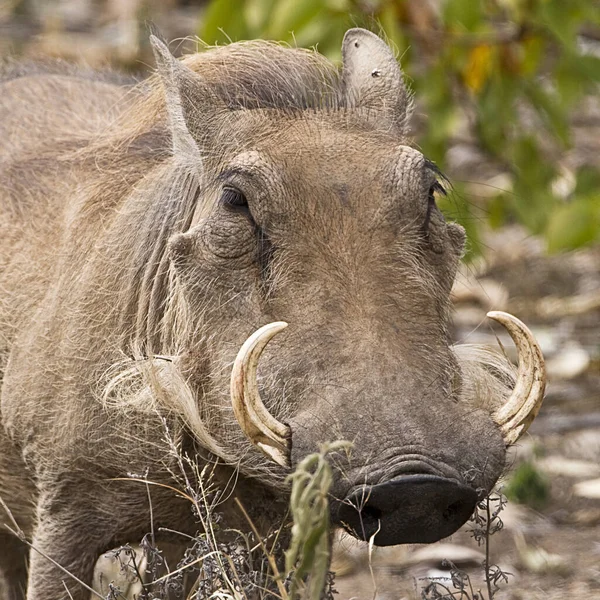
(261, 428)
(517, 414)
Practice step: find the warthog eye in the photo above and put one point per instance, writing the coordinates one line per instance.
(235, 200)
(435, 188)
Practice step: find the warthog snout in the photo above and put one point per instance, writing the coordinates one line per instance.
(412, 509)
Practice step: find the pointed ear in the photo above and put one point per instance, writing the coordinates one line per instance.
(180, 85)
(373, 80)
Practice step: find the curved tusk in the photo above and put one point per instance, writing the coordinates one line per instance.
(256, 422)
(517, 414)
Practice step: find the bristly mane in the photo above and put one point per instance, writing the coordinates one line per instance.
(260, 74)
(137, 148)
(244, 75)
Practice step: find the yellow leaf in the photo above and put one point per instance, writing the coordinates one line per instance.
(478, 68)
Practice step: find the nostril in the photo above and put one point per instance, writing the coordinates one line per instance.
(452, 510)
(371, 513)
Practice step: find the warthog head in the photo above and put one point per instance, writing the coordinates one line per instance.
(317, 221)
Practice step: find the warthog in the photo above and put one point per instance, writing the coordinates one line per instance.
(156, 236)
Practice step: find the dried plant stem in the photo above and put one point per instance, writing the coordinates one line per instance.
(237, 577)
(148, 482)
(67, 590)
(471, 588)
(186, 566)
(151, 513)
(488, 526)
(270, 558)
(371, 544)
(136, 568)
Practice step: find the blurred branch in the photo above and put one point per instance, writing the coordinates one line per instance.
(552, 307)
(509, 33)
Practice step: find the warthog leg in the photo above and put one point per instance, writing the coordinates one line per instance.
(13, 568)
(70, 543)
(78, 520)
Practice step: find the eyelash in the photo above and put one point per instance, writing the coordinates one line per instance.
(233, 199)
(436, 187)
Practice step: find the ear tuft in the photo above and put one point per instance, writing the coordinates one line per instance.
(175, 77)
(373, 80)
(162, 56)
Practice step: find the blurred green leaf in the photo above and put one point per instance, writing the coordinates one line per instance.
(463, 14)
(224, 21)
(391, 25)
(532, 200)
(576, 75)
(549, 109)
(497, 211)
(527, 485)
(575, 224)
(588, 181)
(291, 16)
(324, 33)
(495, 112)
(561, 20)
(588, 67)
(533, 52)
(257, 14)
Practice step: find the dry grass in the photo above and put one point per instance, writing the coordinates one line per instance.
(485, 522)
(233, 565)
(225, 564)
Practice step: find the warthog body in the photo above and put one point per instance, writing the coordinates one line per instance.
(146, 231)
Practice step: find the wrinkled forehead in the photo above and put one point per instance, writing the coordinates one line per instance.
(312, 160)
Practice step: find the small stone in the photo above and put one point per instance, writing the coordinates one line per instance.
(110, 569)
(588, 517)
(559, 465)
(570, 362)
(537, 560)
(440, 575)
(435, 555)
(588, 489)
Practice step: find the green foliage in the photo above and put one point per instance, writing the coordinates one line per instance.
(528, 486)
(300, 22)
(513, 70)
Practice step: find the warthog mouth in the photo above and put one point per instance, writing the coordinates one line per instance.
(410, 509)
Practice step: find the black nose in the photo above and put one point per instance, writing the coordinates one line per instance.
(412, 509)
